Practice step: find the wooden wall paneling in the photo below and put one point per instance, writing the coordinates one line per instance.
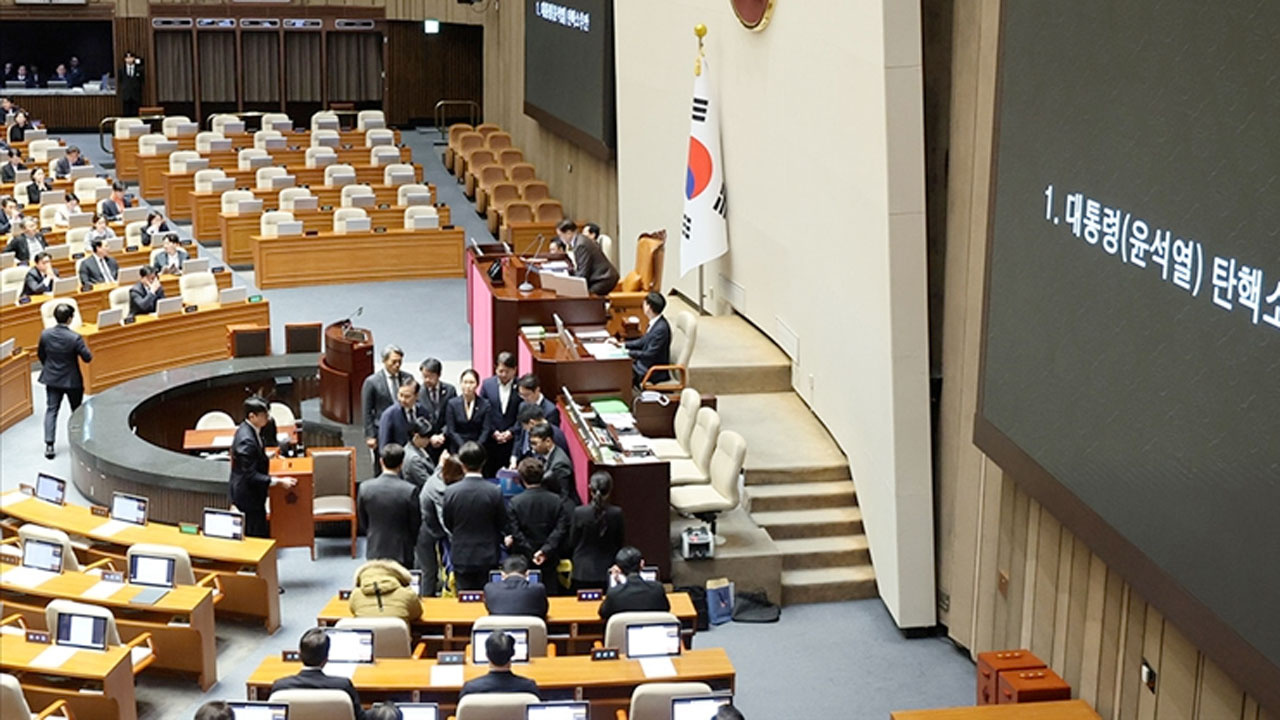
(1062, 599)
(1110, 641)
(988, 552)
(1179, 676)
(1045, 595)
(1152, 640)
(1003, 601)
(1090, 644)
(1077, 612)
(1017, 569)
(1127, 673)
(1218, 696)
(1030, 572)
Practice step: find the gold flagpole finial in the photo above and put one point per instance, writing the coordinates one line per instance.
(701, 31)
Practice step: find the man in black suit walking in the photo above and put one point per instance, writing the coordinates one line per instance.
(60, 351)
(476, 519)
(130, 84)
(654, 347)
(393, 503)
(589, 260)
(313, 650)
(249, 464)
(632, 592)
(379, 393)
(514, 594)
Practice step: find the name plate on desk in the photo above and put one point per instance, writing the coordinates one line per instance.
(470, 596)
(604, 654)
(590, 595)
(38, 636)
(450, 657)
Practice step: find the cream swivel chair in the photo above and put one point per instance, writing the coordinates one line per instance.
(76, 239)
(334, 485)
(206, 139)
(609, 247)
(615, 631)
(121, 130)
(324, 115)
(245, 157)
(13, 704)
(339, 175)
(384, 155)
(316, 704)
(70, 563)
(20, 191)
(684, 334)
(148, 144)
(318, 157)
(378, 137)
(12, 278)
(420, 211)
(652, 701)
(342, 215)
(204, 179)
(118, 299)
(351, 192)
(536, 627)
(183, 573)
(178, 160)
(87, 188)
(282, 414)
(707, 501)
(48, 306)
(288, 196)
(702, 443)
(170, 125)
(404, 191)
(132, 233)
(263, 138)
(391, 637)
(140, 649)
(270, 119)
(494, 706)
(199, 288)
(267, 224)
(42, 151)
(231, 199)
(395, 173)
(215, 420)
(49, 214)
(686, 415)
(218, 124)
(364, 116)
(264, 175)
(325, 138)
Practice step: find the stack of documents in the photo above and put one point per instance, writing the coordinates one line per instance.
(604, 350)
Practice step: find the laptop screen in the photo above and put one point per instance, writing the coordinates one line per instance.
(51, 488)
(650, 574)
(241, 710)
(83, 631)
(480, 657)
(653, 640)
(350, 646)
(151, 570)
(419, 711)
(129, 508)
(698, 708)
(557, 711)
(42, 555)
(534, 576)
(223, 524)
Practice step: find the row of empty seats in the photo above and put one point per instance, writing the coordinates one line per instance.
(341, 175)
(181, 125)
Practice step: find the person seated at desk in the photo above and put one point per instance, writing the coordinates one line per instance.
(100, 231)
(632, 593)
(540, 521)
(654, 346)
(388, 510)
(99, 266)
(114, 206)
(145, 293)
(27, 79)
(382, 589)
(38, 186)
(396, 424)
(215, 710)
(596, 533)
(10, 216)
(313, 650)
(26, 243)
(530, 389)
(8, 108)
(73, 158)
(13, 163)
(70, 206)
(514, 594)
(588, 259)
(170, 258)
(500, 647)
(467, 417)
(18, 130)
(39, 279)
(61, 74)
(75, 73)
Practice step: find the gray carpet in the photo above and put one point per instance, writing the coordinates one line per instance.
(838, 660)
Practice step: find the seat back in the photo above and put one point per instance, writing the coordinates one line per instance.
(397, 168)
(535, 626)
(457, 130)
(325, 138)
(650, 254)
(62, 606)
(403, 192)
(684, 333)
(726, 465)
(178, 160)
(48, 306)
(32, 531)
(609, 247)
(265, 174)
(205, 139)
(269, 119)
(218, 124)
(470, 141)
(517, 212)
(286, 197)
(12, 702)
(481, 157)
(76, 238)
(262, 137)
(121, 129)
(147, 143)
(702, 441)
(498, 140)
(204, 178)
(509, 157)
(215, 420)
(341, 215)
(522, 172)
(383, 155)
(316, 704)
(282, 414)
(491, 175)
(494, 706)
(687, 415)
(323, 115)
(487, 129)
(503, 193)
(199, 288)
(364, 116)
(390, 635)
(170, 124)
(549, 211)
(270, 219)
(118, 299)
(332, 171)
(534, 191)
(182, 573)
(13, 277)
(379, 136)
(133, 231)
(243, 157)
(331, 473)
(86, 188)
(652, 701)
(419, 211)
(351, 192)
(317, 157)
(231, 199)
(48, 213)
(615, 632)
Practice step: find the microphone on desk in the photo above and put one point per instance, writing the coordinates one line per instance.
(359, 311)
(526, 287)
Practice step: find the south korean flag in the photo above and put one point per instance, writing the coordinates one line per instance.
(703, 235)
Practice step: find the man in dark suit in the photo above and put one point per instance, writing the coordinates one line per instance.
(73, 158)
(531, 392)
(75, 73)
(514, 594)
(378, 393)
(589, 260)
(9, 171)
(99, 267)
(39, 279)
(434, 396)
(396, 423)
(630, 591)
(540, 521)
(393, 503)
(130, 84)
(418, 466)
(557, 472)
(500, 647)
(27, 241)
(531, 415)
(476, 519)
(249, 481)
(60, 351)
(654, 347)
(313, 650)
(114, 206)
(504, 404)
(145, 293)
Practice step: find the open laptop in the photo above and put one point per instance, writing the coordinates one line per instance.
(81, 631)
(289, 228)
(225, 524)
(168, 306)
(244, 710)
(574, 710)
(6, 348)
(61, 251)
(350, 645)
(134, 214)
(37, 134)
(417, 198)
(129, 508)
(110, 316)
(42, 555)
(66, 285)
(401, 177)
(83, 171)
(535, 576)
(702, 707)
(80, 219)
(228, 296)
(653, 640)
(419, 711)
(358, 224)
(56, 84)
(51, 489)
(195, 265)
(478, 637)
(155, 573)
(53, 197)
(129, 275)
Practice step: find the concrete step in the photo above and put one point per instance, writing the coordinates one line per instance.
(809, 453)
(800, 496)
(730, 356)
(792, 524)
(853, 582)
(824, 552)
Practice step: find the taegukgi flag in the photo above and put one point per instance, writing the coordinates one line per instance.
(703, 236)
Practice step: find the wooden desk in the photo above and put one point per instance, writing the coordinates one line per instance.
(15, 385)
(206, 206)
(24, 324)
(557, 366)
(607, 685)
(246, 568)
(1057, 710)
(573, 625)
(152, 344)
(195, 441)
(186, 646)
(99, 687)
(238, 229)
(496, 313)
(335, 258)
(290, 511)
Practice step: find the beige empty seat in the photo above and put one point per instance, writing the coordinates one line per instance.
(316, 704)
(342, 215)
(489, 176)
(707, 501)
(48, 306)
(199, 288)
(404, 191)
(13, 704)
(323, 115)
(487, 129)
(468, 142)
(182, 572)
(118, 298)
(270, 219)
(494, 706)
(334, 488)
(686, 415)
(534, 191)
(262, 137)
(218, 123)
(536, 628)
(384, 155)
(13, 277)
(76, 238)
(270, 119)
(140, 650)
(288, 196)
(231, 199)
(147, 144)
(379, 136)
(215, 420)
(498, 141)
(49, 214)
(391, 637)
(264, 175)
(169, 126)
(702, 443)
(351, 192)
(615, 631)
(517, 212)
(244, 157)
(178, 160)
(549, 211)
(282, 414)
(339, 174)
(204, 179)
(325, 138)
(395, 170)
(364, 116)
(510, 157)
(420, 211)
(32, 531)
(521, 173)
(121, 129)
(87, 188)
(132, 232)
(205, 140)
(652, 701)
(318, 157)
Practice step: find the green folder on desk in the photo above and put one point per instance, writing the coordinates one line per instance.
(610, 406)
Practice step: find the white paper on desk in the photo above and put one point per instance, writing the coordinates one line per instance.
(340, 669)
(634, 442)
(25, 577)
(221, 441)
(619, 421)
(604, 350)
(101, 590)
(640, 459)
(11, 497)
(554, 267)
(53, 657)
(585, 335)
(110, 527)
(446, 675)
(657, 667)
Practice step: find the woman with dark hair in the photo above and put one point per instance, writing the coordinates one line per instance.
(155, 226)
(596, 534)
(466, 417)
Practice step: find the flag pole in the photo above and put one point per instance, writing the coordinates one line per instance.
(700, 31)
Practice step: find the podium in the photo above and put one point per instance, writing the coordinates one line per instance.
(347, 361)
(292, 515)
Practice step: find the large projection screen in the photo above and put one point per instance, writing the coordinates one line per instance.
(569, 71)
